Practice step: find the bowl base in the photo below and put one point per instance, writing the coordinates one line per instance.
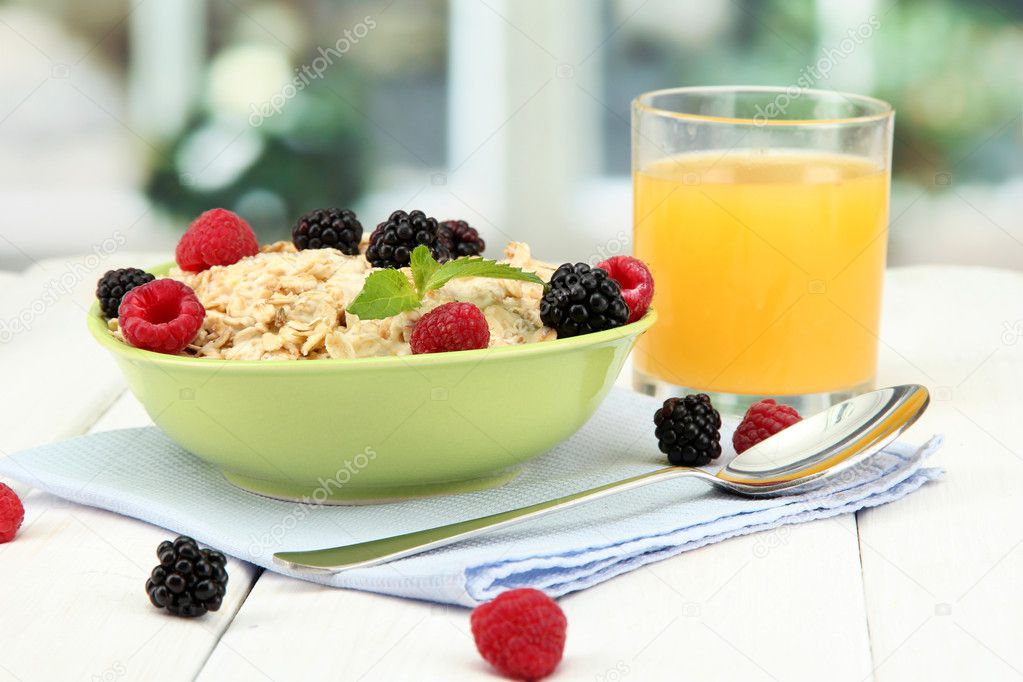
(352, 495)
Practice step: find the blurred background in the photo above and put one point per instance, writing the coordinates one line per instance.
(120, 120)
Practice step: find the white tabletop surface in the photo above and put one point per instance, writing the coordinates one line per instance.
(926, 588)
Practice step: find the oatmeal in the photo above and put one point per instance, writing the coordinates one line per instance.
(287, 304)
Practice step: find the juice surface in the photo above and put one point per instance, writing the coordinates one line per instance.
(768, 269)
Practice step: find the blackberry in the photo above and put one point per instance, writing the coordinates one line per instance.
(461, 239)
(581, 300)
(328, 228)
(112, 287)
(688, 430)
(392, 242)
(189, 581)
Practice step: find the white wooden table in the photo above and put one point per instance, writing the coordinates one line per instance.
(926, 588)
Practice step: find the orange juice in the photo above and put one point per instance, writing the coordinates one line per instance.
(768, 268)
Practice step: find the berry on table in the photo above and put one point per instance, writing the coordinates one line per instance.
(461, 239)
(581, 300)
(188, 581)
(688, 430)
(635, 280)
(448, 327)
(392, 242)
(112, 287)
(328, 228)
(163, 316)
(763, 419)
(12, 513)
(217, 237)
(521, 633)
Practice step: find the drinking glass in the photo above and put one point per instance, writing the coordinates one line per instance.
(763, 215)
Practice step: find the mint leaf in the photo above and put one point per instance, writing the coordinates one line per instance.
(385, 293)
(423, 266)
(476, 267)
(388, 292)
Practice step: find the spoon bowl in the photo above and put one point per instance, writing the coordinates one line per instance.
(814, 451)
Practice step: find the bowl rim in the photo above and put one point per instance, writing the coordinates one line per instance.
(98, 327)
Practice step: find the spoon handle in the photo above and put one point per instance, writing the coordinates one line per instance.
(337, 559)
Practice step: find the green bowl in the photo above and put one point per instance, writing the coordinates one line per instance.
(375, 429)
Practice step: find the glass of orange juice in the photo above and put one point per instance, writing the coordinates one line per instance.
(763, 215)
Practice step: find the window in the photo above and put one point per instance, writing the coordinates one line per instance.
(513, 114)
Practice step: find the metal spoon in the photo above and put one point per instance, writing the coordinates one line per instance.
(804, 456)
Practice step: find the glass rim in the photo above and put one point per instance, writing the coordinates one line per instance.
(884, 110)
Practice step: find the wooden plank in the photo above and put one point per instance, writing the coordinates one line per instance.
(746, 608)
(941, 568)
(80, 574)
(76, 575)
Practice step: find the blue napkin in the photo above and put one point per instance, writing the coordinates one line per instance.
(141, 473)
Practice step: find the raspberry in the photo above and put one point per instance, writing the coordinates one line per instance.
(763, 419)
(189, 581)
(163, 316)
(217, 237)
(392, 242)
(461, 239)
(452, 326)
(11, 514)
(688, 430)
(636, 281)
(521, 633)
(581, 300)
(328, 228)
(112, 287)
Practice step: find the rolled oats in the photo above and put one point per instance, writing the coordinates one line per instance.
(289, 304)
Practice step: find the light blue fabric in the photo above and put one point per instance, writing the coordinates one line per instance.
(140, 473)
